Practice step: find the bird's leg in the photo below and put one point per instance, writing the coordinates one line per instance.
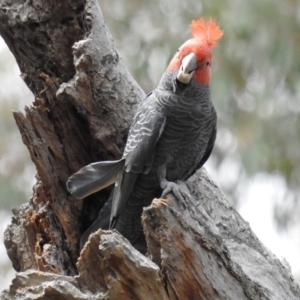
(168, 186)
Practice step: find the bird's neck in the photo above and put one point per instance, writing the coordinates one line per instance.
(193, 99)
(191, 92)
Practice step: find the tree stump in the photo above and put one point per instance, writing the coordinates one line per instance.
(84, 102)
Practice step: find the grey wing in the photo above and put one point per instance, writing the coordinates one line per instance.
(145, 131)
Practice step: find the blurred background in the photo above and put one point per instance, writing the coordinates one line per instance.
(255, 88)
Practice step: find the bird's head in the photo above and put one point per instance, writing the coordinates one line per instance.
(193, 59)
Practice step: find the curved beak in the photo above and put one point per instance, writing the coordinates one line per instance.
(187, 68)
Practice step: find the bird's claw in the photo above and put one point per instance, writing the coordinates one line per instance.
(175, 189)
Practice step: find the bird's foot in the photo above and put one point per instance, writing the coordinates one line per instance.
(172, 187)
(169, 187)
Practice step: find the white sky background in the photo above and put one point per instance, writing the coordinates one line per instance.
(256, 205)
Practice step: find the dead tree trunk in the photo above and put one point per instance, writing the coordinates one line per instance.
(84, 101)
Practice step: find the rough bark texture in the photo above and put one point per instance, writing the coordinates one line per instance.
(84, 101)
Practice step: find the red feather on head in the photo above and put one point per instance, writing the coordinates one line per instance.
(209, 31)
(206, 34)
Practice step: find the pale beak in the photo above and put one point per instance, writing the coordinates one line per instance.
(187, 68)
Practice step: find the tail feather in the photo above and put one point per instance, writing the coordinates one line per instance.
(122, 191)
(95, 177)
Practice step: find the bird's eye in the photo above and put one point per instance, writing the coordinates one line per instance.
(207, 63)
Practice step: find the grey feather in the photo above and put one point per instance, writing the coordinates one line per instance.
(102, 221)
(122, 191)
(144, 133)
(95, 177)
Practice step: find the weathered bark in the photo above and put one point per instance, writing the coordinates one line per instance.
(81, 114)
(84, 101)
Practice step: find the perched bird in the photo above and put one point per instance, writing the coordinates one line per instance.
(171, 136)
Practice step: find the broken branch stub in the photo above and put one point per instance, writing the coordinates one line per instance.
(207, 251)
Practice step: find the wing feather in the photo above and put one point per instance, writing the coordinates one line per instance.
(144, 133)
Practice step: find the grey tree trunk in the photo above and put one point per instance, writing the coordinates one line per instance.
(84, 102)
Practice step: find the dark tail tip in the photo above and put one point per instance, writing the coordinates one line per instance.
(113, 223)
